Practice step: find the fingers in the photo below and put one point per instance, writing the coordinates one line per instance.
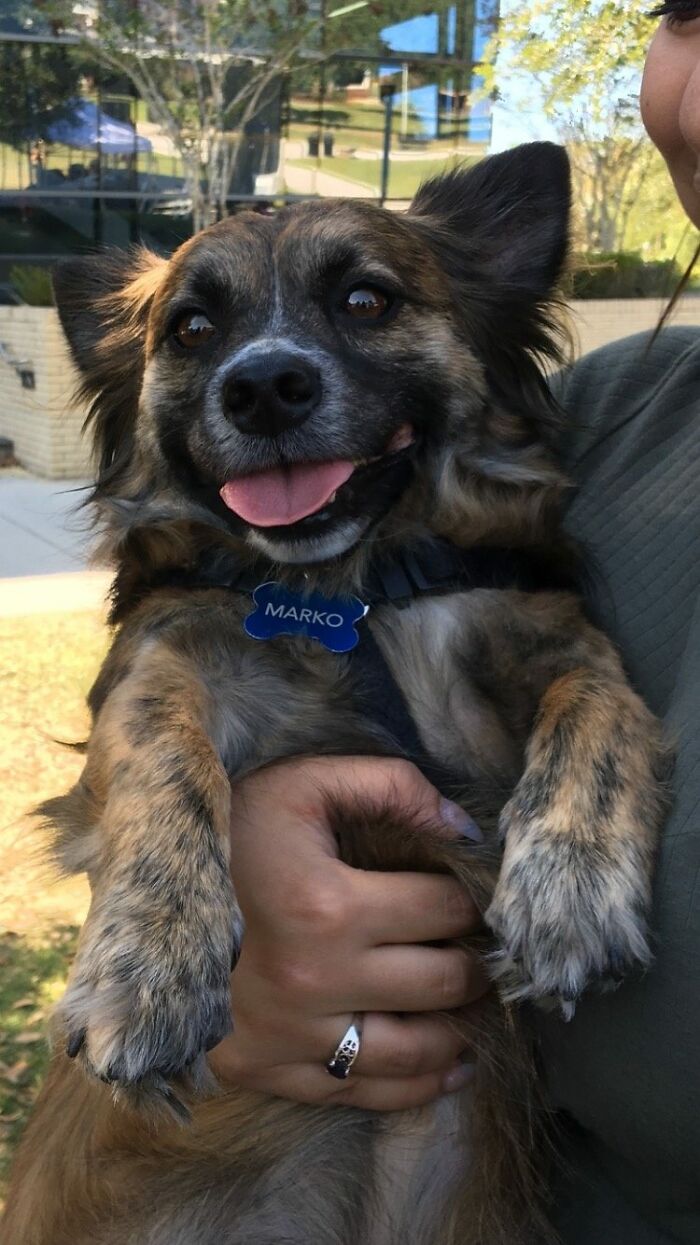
(409, 978)
(302, 786)
(414, 907)
(362, 909)
(284, 856)
(391, 1046)
(394, 783)
(323, 940)
(409, 1047)
(304, 1084)
(417, 979)
(401, 1093)
(403, 1062)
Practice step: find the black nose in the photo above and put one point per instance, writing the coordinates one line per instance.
(269, 393)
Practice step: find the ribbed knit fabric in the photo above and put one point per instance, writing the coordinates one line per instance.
(626, 1071)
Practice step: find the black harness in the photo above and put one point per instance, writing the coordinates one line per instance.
(431, 568)
(436, 568)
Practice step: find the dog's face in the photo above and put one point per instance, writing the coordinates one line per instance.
(298, 370)
(310, 378)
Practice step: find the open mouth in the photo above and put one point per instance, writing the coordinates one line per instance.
(303, 493)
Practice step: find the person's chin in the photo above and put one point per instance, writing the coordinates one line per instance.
(689, 196)
(685, 174)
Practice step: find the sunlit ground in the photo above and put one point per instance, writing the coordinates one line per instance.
(404, 178)
(47, 664)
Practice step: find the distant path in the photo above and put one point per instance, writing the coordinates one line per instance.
(314, 182)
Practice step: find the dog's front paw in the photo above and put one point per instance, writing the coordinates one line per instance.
(568, 914)
(146, 998)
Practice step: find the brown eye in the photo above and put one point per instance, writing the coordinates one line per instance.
(366, 303)
(193, 329)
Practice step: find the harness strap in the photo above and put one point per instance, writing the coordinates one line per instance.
(379, 698)
(431, 568)
(437, 567)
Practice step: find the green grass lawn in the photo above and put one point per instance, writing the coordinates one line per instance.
(47, 664)
(358, 125)
(405, 176)
(32, 976)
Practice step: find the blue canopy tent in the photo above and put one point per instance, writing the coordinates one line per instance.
(89, 127)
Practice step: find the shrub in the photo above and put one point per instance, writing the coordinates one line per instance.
(32, 284)
(623, 274)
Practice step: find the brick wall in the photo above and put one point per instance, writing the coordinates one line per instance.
(45, 422)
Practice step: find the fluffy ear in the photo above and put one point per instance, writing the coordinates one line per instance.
(500, 231)
(508, 216)
(103, 302)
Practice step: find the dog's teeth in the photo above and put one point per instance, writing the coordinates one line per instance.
(332, 497)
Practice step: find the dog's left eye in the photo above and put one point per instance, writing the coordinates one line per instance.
(366, 303)
(193, 329)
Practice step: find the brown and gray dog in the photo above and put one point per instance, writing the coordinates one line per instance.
(314, 404)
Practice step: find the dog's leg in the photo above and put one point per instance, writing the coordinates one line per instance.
(149, 990)
(580, 830)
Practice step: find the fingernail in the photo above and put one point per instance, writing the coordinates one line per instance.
(458, 1077)
(459, 821)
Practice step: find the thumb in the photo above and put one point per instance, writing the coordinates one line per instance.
(398, 784)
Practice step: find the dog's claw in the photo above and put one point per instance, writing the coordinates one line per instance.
(556, 942)
(154, 1022)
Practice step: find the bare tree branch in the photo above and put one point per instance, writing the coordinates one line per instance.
(179, 55)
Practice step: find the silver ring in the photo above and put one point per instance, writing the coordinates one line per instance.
(346, 1051)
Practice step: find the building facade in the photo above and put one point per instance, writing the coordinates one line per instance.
(385, 94)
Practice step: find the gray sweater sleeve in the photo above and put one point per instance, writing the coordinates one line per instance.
(625, 1073)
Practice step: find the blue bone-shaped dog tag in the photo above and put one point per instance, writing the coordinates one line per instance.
(331, 621)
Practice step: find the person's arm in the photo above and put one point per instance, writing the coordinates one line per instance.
(323, 941)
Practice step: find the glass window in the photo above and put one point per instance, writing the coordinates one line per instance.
(387, 100)
(376, 124)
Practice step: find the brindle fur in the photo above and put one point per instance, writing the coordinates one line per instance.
(515, 692)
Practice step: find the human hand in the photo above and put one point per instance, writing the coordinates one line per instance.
(323, 941)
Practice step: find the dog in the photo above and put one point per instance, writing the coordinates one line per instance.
(295, 418)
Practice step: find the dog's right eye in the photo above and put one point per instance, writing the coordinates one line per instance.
(366, 302)
(193, 329)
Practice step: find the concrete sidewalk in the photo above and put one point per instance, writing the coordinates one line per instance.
(45, 547)
(40, 531)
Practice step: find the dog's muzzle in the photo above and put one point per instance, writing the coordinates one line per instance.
(267, 394)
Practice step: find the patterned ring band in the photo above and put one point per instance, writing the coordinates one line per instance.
(346, 1051)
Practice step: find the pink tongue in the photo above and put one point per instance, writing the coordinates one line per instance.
(285, 494)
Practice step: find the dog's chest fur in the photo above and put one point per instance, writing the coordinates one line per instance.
(417, 1162)
(288, 696)
(432, 658)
